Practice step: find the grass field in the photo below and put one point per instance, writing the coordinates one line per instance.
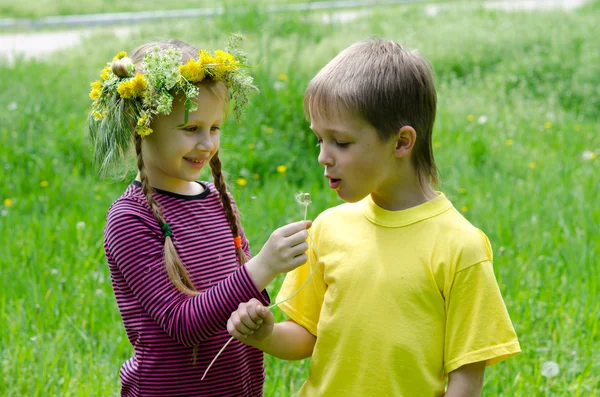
(517, 140)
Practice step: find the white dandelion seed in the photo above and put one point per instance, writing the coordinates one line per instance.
(482, 119)
(550, 369)
(588, 155)
(80, 225)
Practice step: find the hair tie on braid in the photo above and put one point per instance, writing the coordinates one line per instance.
(166, 229)
(238, 242)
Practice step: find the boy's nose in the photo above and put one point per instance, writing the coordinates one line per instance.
(324, 158)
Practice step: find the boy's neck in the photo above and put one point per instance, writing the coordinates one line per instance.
(404, 194)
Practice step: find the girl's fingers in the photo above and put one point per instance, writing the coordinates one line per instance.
(265, 315)
(234, 332)
(297, 238)
(239, 325)
(252, 312)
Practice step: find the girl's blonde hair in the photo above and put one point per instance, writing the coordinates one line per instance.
(176, 270)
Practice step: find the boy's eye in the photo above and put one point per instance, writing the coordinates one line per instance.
(342, 145)
(319, 142)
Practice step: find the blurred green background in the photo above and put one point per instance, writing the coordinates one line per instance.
(517, 140)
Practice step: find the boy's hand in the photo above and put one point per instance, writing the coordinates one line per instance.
(251, 322)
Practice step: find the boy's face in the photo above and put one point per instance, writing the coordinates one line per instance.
(357, 163)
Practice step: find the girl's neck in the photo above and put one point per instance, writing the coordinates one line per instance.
(186, 188)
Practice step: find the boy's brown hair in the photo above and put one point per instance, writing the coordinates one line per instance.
(386, 85)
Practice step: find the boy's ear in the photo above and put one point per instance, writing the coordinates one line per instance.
(405, 141)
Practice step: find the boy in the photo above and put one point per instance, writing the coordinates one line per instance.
(404, 295)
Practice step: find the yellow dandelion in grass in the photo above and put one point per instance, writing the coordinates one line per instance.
(269, 130)
(471, 117)
(96, 89)
(509, 142)
(251, 146)
(577, 127)
(193, 71)
(282, 77)
(8, 202)
(464, 208)
(105, 74)
(462, 190)
(256, 177)
(242, 182)
(44, 183)
(133, 88)
(532, 165)
(281, 169)
(437, 145)
(547, 125)
(144, 131)
(120, 55)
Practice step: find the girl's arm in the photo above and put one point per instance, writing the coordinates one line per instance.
(253, 324)
(135, 253)
(466, 381)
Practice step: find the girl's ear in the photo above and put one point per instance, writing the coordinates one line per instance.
(405, 141)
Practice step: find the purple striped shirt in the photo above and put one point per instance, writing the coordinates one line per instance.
(163, 324)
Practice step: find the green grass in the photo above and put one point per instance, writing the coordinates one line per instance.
(519, 176)
(44, 8)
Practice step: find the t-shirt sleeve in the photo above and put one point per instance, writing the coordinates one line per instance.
(135, 246)
(308, 281)
(478, 327)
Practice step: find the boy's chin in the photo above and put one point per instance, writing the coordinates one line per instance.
(351, 198)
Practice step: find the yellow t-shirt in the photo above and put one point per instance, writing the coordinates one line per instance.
(399, 299)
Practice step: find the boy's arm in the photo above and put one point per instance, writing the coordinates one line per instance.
(289, 341)
(466, 381)
(253, 324)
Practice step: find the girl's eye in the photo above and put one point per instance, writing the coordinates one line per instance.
(192, 128)
(215, 128)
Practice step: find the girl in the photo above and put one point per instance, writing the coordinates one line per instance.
(177, 254)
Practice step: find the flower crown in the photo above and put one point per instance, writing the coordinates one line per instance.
(129, 100)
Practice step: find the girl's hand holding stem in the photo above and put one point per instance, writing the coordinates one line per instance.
(284, 251)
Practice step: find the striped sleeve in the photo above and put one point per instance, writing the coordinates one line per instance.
(133, 242)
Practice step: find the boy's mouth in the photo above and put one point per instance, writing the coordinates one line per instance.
(334, 183)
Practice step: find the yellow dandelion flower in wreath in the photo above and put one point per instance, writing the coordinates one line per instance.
(144, 131)
(105, 74)
(193, 71)
(140, 97)
(205, 57)
(142, 120)
(120, 55)
(96, 90)
(133, 88)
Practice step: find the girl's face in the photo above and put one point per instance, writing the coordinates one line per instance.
(174, 155)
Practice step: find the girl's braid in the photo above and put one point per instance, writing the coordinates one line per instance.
(215, 165)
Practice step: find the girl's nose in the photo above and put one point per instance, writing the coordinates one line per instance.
(205, 142)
